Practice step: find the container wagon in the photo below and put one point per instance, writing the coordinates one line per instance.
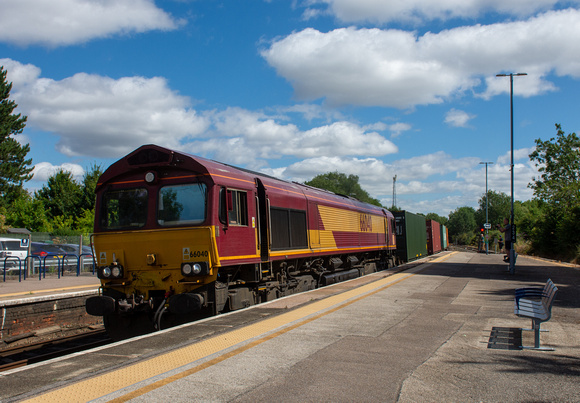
(411, 232)
(433, 237)
(444, 237)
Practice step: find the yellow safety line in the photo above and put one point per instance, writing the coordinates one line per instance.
(96, 286)
(119, 379)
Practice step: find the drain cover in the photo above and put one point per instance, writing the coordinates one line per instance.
(505, 338)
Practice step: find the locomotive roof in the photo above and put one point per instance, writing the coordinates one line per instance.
(151, 156)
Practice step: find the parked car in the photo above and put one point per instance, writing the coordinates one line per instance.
(11, 250)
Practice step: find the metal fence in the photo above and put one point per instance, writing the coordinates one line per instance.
(41, 254)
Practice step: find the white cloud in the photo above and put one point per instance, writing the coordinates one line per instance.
(100, 116)
(438, 163)
(375, 176)
(417, 11)
(499, 175)
(313, 111)
(398, 128)
(44, 170)
(519, 155)
(393, 68)
(249, 138)
(66, 22)
(458, 118)
(103, 117)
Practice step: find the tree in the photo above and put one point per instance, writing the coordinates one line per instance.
(339, 183)
(558, 161)
(462, 222)
(29, 213)
(62, 196)
(558, 187)
(89, 186)
(498, 208)
(14, 168)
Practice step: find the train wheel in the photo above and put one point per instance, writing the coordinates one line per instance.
(120, 327)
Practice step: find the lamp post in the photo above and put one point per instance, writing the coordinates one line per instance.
(512, 259)
(486, 226)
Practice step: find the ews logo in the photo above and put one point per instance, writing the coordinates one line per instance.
(366, 223)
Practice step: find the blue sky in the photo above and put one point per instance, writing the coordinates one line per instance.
(375, 88)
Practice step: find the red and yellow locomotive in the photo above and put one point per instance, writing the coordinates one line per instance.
(179, 237)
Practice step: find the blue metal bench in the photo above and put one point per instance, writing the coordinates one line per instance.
(536, 304)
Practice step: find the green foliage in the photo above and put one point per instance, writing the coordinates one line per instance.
(62, 195)
(26, 212)
(85, 223)
(438, 218)
(555, 230)
(63, 226)
(14, 167)
(558, 161)
(62, 207)
(339, 183)
(3, 226)
(462, 224)
(498, 208)
(529, 216)
(90, 180)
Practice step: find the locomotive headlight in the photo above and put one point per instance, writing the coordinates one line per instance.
(116, 271)
(186, 269)
(106, 272)
(190, 269)
(150, 177)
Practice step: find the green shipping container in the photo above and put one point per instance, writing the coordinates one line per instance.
(411, 235)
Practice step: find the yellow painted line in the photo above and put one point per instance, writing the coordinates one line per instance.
(254, 334)
(443, 258)
(95, 286)
(554, 262)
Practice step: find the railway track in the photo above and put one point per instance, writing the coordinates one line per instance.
(42, 351)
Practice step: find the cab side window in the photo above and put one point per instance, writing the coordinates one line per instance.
(237, 202)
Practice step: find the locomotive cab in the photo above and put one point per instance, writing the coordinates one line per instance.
(154, 241)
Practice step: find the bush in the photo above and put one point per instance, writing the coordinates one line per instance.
(465, 238)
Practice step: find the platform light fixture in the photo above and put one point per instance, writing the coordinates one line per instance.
(512, 267)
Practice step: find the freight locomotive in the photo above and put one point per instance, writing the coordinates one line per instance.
(178, 237)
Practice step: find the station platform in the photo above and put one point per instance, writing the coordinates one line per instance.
(51, 286)
(429, 333)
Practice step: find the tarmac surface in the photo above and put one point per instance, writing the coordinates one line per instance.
(434, 332)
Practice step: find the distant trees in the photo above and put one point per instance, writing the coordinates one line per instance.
(342, 184)
(14, 167)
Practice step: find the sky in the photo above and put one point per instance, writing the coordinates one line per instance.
(298, 88)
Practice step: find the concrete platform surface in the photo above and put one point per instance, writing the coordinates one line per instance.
(30, 289)
(431, 333)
